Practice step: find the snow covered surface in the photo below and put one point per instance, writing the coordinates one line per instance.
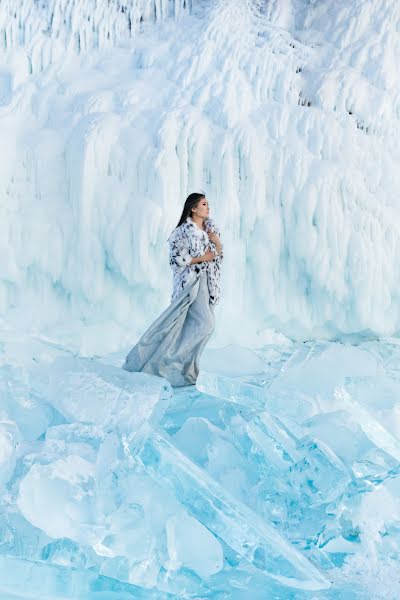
(278, 477)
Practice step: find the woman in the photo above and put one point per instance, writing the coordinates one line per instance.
(172, 346)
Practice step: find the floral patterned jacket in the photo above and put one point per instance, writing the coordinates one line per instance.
(189, 241)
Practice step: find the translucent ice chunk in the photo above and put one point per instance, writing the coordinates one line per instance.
(234, 373)
(21, 578)
(9, 439)
(67, 553)
(19, 403)
(275, 444)
(76, 432)
(344, 433)
(320, 476)
(308, 380)
(241, 529)
(250, 394)
(89, 391)
(186, 404)
(379, 396)
(371, 426)
(233, 361)
(191, 545)
(59, 498)
(301, 469)
(214, 450)
(322, 366)
(20, 538)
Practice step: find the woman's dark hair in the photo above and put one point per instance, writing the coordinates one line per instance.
(191, 201)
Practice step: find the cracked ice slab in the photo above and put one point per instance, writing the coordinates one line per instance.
(233, 522)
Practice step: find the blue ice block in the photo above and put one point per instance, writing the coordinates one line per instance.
(20, 578)
(233, 522)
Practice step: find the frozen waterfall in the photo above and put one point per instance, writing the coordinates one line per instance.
(286, 116)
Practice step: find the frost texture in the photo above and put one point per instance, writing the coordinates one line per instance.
(45, 26)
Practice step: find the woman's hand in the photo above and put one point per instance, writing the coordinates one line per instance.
(208, 256)
(214, 238)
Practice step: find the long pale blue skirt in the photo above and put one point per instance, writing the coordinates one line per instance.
(171, 347)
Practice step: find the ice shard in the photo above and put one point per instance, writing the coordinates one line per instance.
(239, 527)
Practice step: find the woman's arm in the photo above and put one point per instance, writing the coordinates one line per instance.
(218, 245)
(207, 257)
(179, 254)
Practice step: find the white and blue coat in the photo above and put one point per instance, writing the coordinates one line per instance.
(189, 241)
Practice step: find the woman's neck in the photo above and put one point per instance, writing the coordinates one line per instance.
(199, 221)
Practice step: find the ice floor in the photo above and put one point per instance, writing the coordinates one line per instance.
(276, 478)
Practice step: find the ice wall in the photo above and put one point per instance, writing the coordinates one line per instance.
(285, 114)
(49, 27)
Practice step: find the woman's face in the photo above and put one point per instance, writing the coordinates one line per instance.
(202, 209)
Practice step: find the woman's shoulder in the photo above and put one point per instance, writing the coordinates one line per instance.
(177, 233)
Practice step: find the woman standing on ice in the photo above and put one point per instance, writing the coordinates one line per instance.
(172, 346)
